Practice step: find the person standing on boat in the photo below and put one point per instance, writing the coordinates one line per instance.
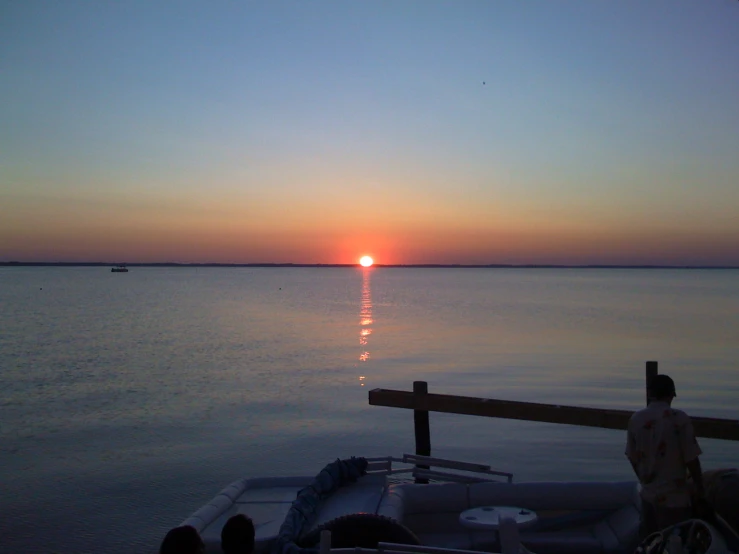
(663, 450)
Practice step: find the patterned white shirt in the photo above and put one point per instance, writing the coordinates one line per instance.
(660, 441)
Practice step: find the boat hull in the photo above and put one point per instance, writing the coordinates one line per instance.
(571, 517)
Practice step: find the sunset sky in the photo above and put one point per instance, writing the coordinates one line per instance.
(414, 131)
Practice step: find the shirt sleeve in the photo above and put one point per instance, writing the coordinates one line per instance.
(688, 442)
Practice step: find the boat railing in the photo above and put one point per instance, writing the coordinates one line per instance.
(422, 467)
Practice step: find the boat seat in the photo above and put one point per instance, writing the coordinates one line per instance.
(432, 513)
(361, 497)
(604, 517)
(569, 542)
(617, 533)
(554, 495)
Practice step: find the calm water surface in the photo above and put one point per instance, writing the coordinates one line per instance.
(128, 400)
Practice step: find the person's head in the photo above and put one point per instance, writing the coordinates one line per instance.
(662, 388)
(182, 540)
(237, 535)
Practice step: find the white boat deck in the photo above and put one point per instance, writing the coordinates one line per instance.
(265, 500)
(573, 518)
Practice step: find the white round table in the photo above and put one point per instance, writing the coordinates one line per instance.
(488, 517)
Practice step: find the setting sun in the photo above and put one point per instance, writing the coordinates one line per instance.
(366, 261)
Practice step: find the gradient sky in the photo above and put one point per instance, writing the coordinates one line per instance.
(606, 132)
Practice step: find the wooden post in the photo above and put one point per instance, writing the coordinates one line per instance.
(651, 372)
(421, 424)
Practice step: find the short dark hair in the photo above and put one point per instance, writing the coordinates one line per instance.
(237, 535)
(661, 386)
(182, 540)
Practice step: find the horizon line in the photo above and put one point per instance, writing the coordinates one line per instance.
(319, 265)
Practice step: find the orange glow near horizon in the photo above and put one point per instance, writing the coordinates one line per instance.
(53, 230)
(366, 261)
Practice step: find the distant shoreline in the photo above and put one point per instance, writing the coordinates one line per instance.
(406, 266)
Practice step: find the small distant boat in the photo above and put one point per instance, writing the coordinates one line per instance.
(119, 269)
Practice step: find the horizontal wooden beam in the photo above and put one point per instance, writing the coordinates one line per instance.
(708, 427)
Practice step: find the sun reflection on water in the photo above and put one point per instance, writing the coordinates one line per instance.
(365, 319)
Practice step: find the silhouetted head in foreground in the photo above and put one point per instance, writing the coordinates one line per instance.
(662, 387)
(237, 536)
(182, 540)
